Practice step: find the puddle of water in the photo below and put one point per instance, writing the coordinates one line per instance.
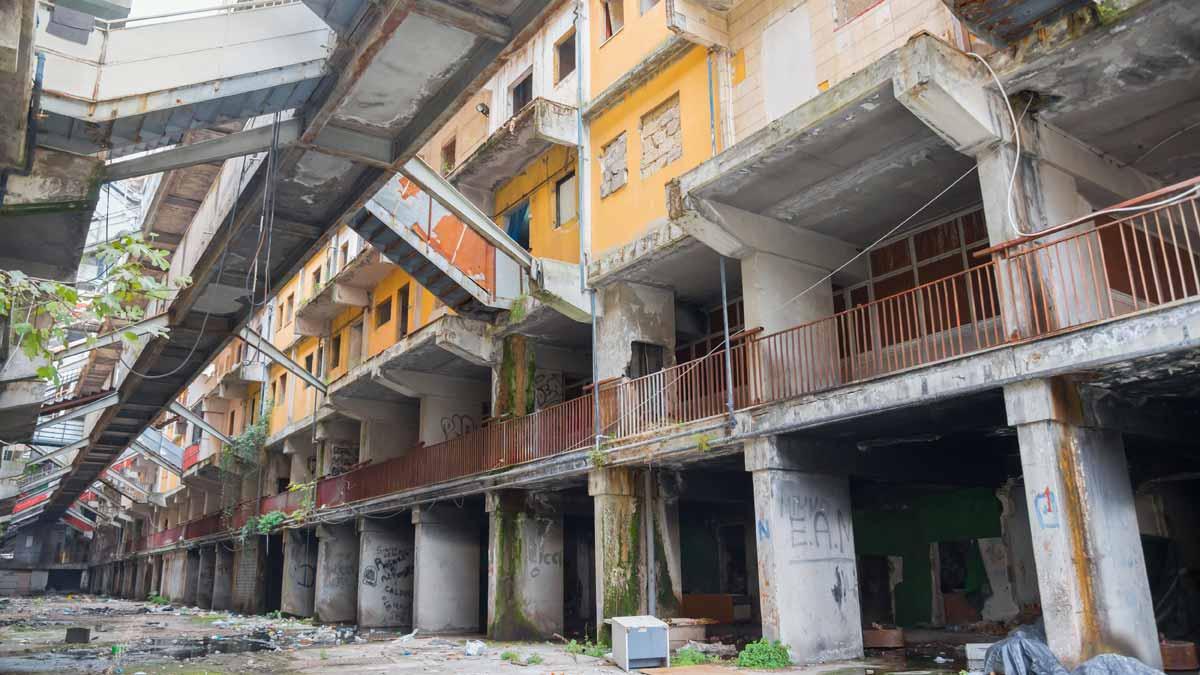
(96, 660)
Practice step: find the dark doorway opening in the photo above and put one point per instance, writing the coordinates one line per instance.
(274, 573)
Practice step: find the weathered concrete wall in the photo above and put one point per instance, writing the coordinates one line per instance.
(249, 570)
(1091, 570)
(335, 598)
(446, 574)
(525, 569)
(299, 572)
(207, 575)
(191, 577)
(633, 313)
(385, 573)
(806, 560)
(223, 572)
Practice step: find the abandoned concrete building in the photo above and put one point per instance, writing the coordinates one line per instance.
(508, 317)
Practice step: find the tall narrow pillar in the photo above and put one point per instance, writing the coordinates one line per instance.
(249, 592)
(807, 572)
(191, 577)
(636, 530)
(525, 568)
(299, 572)
(335, 598)
(223, 570)
(1090, 567)
(446, 591)
(385, 573)
(206, 577)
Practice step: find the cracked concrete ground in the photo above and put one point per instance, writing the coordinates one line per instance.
(131, 637)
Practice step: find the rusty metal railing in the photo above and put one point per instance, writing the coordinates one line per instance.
(1089, 270)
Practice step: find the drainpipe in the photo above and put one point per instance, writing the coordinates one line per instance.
(648, 528)
(581, 153)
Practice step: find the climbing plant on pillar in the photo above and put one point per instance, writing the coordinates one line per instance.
(515, 394)
(240, 458)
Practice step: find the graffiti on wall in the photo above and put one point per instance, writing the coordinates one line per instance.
(457, 425)
(547, 388)
(341, 458)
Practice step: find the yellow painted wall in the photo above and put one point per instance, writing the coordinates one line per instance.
(284, 331)
(537, 183)
(641, 35)
(420, 310)
(627, 213)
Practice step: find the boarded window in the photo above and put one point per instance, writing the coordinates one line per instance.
(614, 168)
(662, 142)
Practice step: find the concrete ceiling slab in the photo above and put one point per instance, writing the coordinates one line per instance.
(1130, 89)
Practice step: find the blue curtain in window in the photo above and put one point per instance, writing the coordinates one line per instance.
(517, 225)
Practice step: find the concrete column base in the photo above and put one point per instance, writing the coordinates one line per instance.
(807, 570)
(299, 572)
(222, 593)
(191, 577)
(525, 569)
(204, 592)
(446, 593)
(1091, 571)
(249, 596)
(335, 599)
(385, 573)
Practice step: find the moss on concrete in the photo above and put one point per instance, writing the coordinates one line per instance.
(508, 618)
(515, 395)
(622, 561)
(665, 599)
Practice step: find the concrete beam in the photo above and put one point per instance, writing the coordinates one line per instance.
(954, 95)
(260, 343)
(736, 233)
(236, 144)
(199, 421)
(477, 23)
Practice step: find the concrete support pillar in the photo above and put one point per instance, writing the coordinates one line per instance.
(1090, 567)
(335, 598)
(207, 576)
(633, 313)
(446, 576)
(769, 284)
(637, 532)
(385, 573)
(191, 577)
(525, 569)
(223, 570)
(299, 572)
(807, 571)
(249, 592)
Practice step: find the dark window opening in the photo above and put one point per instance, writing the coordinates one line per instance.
(522, 93)
(383, 312)
(516, 224)
(448, 151)
(564, 53)
(646, 359)
(402, 307)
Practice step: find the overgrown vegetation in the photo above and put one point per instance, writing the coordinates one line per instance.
(42, 311)
(586, 648)
(515, 658)
(690, 656)
(264, 524)
(157, 600)
(510, 656)
(534, 659)
(764, 655)
(597, 456)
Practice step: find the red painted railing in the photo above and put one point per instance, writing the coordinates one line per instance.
(191, 455)
(1070, 276)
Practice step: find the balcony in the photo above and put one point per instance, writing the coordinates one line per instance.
(349, 288)
(1082, 274)
(532, 131)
